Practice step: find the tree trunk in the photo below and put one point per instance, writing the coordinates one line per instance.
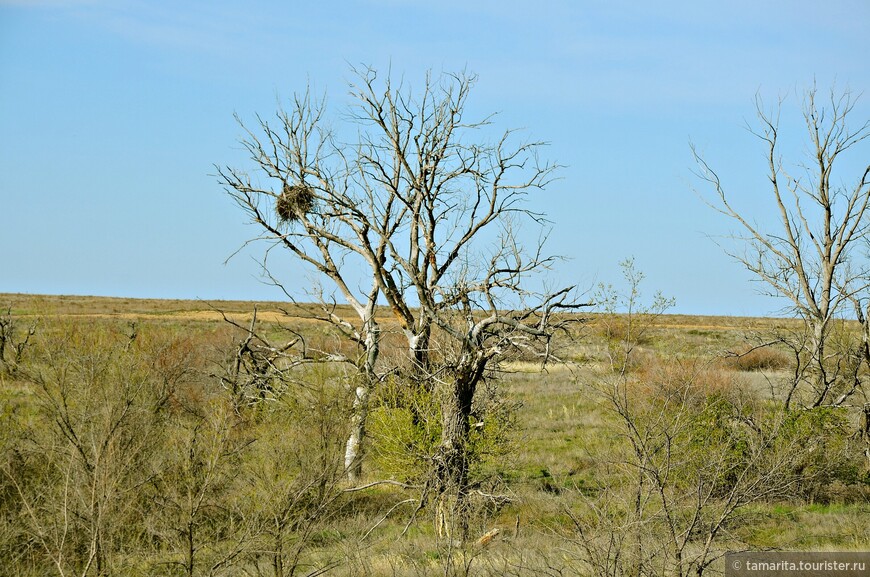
(865, 432)
(419, 377)
(418, 345)
(822, 385)
(353, 452)
(454, 434)
(355, 446)
(451, 474)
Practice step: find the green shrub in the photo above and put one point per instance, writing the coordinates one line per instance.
(405, 430)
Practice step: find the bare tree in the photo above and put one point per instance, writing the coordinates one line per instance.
(812, 256)
(92, 437)
(414, 202)
(687, 455)
(313, 210)
(13, 341)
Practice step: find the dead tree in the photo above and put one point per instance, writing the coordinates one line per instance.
(311, 207)
(413, 203)
(13, 341)
(813, 255)
(259, 370)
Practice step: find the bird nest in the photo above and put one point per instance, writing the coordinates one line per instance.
(293, 202)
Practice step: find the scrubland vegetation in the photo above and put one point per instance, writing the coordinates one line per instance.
(141, 438)
(458, 415)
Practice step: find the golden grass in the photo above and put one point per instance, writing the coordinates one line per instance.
(757, 359)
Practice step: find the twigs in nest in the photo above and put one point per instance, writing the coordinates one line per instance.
(294, 201)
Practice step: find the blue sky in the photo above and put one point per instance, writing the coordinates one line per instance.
(114, 113)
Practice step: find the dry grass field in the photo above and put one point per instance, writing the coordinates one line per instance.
(189, 487)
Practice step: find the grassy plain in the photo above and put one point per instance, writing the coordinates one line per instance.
(554, 463)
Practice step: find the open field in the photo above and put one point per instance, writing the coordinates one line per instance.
(36, 305)
(121, 443)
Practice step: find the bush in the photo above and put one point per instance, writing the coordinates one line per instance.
(405, 429)
(685, 382)
(757, 359)
(826, 461)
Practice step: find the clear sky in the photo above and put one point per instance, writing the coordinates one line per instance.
(113, 114)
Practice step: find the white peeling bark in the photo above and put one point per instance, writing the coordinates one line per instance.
(353, 448)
